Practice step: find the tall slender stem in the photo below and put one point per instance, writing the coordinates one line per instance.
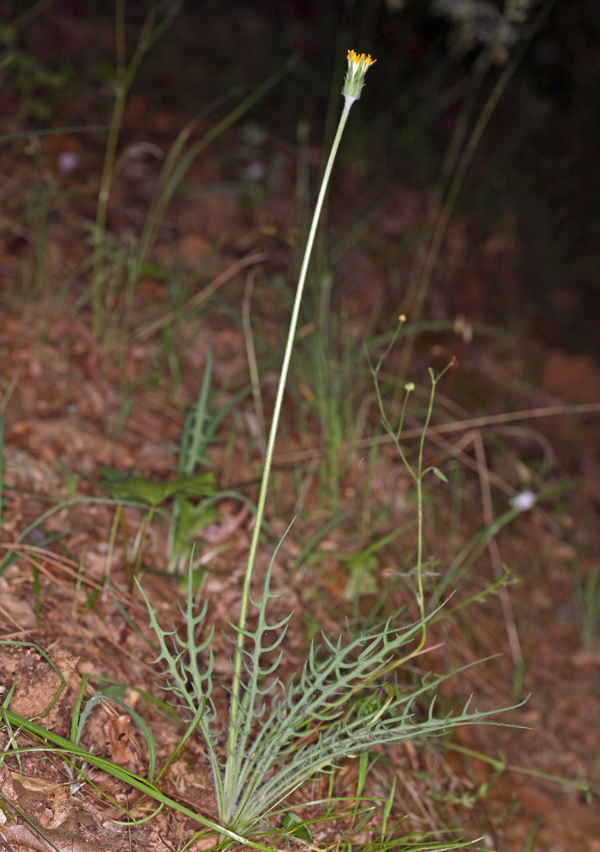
(358, 64)
(277, 412)
(459, 176)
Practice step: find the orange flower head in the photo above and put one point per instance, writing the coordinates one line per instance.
(358, 65)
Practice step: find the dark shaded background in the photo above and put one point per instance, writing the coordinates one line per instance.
(536, 170)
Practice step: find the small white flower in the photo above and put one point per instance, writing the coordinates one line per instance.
(524, 501)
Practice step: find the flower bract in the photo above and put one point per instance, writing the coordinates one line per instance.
(358, 65)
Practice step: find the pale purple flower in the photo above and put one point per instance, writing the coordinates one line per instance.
(256, 170)
(68, 161)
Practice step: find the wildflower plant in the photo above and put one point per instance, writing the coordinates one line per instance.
(280, 735)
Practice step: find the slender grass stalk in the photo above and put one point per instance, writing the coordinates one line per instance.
(177, 164)
(109, 155)
(124, 78)
(500, 765)
(586, 595)
(420, 472)
(357, 68)
(441, 225)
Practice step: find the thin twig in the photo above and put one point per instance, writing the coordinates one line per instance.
(455, 426)
(248, 260)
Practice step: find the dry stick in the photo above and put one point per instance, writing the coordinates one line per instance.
(6, 637)
(488, 519)
(65, 564)
(533, 435)
(248, 260)
(6, 614)
(455, 426)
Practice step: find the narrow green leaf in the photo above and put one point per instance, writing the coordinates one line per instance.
(144, 490)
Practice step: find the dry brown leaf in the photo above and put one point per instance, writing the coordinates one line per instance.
(48, 808)
(120, 740)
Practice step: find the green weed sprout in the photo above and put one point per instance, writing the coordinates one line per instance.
(280, 735)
